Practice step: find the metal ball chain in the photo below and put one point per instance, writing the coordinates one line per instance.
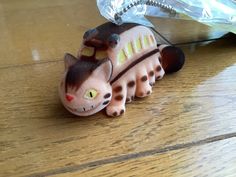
(154, 3)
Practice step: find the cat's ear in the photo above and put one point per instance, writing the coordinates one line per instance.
(69, 60)
(113, 40)
(104, 70)
(90, 34)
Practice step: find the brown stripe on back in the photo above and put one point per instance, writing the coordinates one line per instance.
(145, 56)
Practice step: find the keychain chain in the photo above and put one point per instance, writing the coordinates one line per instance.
(153, 3)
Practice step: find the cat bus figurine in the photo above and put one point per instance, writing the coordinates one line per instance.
(115, 64)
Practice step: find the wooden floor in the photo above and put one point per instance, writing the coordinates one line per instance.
(187, 127)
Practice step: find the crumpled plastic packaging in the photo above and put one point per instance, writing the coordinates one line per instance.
(219, 14)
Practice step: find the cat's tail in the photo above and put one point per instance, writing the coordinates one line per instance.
(172, 58)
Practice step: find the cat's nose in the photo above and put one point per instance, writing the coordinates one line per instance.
(69, 97)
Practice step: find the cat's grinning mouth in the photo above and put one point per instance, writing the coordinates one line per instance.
(84, 109)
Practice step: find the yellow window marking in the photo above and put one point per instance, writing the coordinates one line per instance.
(138, 44)
(146, 41)
(129, 49)
(101, 54)
(87, 51)
(152, 39)
(121, 57)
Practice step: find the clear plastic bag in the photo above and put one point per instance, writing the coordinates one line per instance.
(216, 13)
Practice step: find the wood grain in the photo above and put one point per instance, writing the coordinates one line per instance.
(214, 159)
(41, 30)
(38, 135)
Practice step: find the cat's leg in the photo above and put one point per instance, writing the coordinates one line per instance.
(131, 88)
(143, 87)
(117, 104)
(151, 73)
(159, 71)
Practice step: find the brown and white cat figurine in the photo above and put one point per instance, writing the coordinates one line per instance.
(115, 64)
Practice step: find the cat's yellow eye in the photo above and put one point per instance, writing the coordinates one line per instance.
(87, 51)
(101, 54)
(90, 94)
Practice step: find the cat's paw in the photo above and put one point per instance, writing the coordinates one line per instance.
(144, 92)
(115, 111)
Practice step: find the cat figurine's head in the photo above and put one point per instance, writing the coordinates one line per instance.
(85, 87)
